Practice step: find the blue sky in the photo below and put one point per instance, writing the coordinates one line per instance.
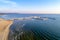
(30, 6)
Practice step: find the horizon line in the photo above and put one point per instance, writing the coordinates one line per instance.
(28, 13)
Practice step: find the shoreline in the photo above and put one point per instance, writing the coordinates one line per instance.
(4, 29)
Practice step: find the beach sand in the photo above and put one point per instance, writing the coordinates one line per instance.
(4, 29)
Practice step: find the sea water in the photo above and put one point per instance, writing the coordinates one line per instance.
(40, 29)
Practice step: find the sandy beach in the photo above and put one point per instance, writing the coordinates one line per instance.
(4, 29)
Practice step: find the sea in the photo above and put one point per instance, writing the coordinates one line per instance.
(36, 29)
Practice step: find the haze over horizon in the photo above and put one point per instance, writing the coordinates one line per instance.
(30, 6)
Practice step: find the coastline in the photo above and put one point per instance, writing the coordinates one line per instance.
(4, 29)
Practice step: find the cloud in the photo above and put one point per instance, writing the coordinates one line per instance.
(13, 4)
